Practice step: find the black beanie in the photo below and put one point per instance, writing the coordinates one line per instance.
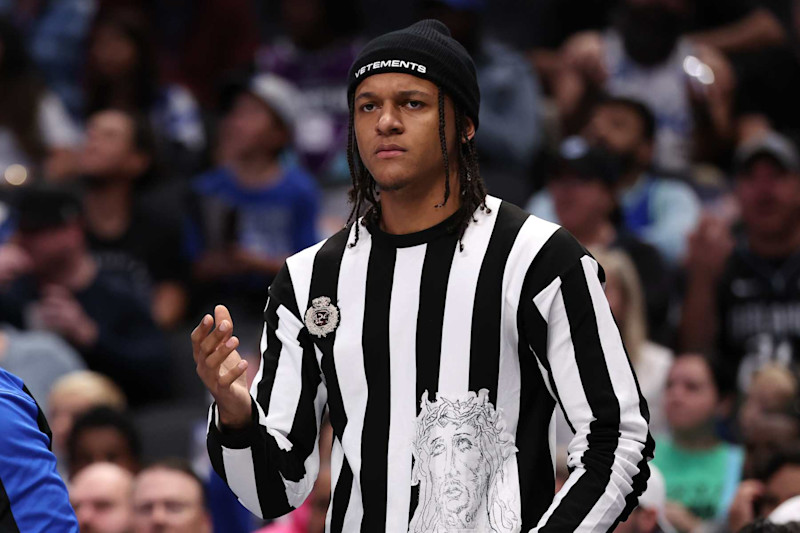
(424, 50)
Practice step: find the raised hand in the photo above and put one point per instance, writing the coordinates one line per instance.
(221, 368)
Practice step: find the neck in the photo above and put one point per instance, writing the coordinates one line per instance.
(600, 234)
(77, 274)
(697, 439)
(627, 180)
(256, 170)
(406, 211)
(776, 245)
(108, 208)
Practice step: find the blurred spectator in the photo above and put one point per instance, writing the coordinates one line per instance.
(757, 498)
(752, 290)
(32, 495)
(581, 188)
(65, 292)
(659, 211)
(101, 497)
(122, 73)
(103, 435)
(769, 420)
(701, 471)
(168, 496)
(200, 42)
(126, 235)
(510, 115)
(73, 395)
(645, 55)
(36, 132)
(650, 515)
(39, 358)
(767, 526)
(315, 55)
(650, 360)
(255, 210)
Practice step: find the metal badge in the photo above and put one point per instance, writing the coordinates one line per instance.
(322, 317)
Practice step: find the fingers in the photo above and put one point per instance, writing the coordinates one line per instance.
(227, 379)
(221, 353)
(199, 333)
(221, 334)
(221, 313)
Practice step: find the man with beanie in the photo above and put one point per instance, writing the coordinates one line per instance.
(441, 328)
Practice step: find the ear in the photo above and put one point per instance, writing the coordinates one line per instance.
(469, 130)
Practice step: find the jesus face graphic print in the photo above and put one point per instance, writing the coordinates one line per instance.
(462, 460)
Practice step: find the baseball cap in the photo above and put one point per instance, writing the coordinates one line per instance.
(773, 145)
(788, 511)
(576, 157)
(276, 92)
(42, 207)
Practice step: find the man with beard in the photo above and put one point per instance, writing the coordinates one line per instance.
(659, 211)
(646, 55)
(139, 245)
(743, 294)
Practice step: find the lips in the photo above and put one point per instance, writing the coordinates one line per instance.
(388, 151)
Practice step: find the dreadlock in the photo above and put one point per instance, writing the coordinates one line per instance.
(364, 195)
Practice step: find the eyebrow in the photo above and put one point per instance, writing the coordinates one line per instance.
(402, 94)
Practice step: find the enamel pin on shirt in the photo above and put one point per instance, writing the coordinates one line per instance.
(322, 317)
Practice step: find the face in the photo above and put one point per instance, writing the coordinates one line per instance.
(168, 501)
(581, 204)
(459, 473)
(112, 52)
(769, 198)
(691, 396)
(102, 444)
(51, 249)
(784, 484)
(250, 127)
(109, 150)
(620, 130)
(396, 119)
(101, 497)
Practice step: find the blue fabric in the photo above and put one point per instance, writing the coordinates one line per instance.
(227, 513)
(637, 212)
(277, 220)
(37, 496)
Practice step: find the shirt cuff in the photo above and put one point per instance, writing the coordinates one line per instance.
(234, 438)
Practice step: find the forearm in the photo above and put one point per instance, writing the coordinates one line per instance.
(758, 30)
(697, 328)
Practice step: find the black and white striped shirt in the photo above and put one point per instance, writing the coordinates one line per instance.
(441, 370)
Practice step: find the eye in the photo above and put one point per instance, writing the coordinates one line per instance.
(415, 104)
(463, 444)
(368, 107)
(438, 448)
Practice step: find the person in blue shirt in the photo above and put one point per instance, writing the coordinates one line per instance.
(255, 209)
(33, 498)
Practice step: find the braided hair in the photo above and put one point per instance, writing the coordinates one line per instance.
(365, 197)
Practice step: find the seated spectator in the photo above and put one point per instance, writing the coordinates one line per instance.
(758, 498)
(742, 297)
(650, 515)
(168, 496)
(101, 497)
(139, 243)
(769, 419)
(647, 56)
(661, 212)
(32, 495)
(35, 130)
(103, 435)
(74, 394)
(65, 292)
(510, 114)
(700, 470)
(582, 190)
(39, 358)
(254, 210)
(122, 73)
(651, 361)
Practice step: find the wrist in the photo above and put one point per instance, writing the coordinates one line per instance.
(235, 421)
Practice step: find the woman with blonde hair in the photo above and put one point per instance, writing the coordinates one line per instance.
(651, 361)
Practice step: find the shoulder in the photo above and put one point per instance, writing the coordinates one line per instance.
(15, 402)
(671, 189)
(301, 181)
(212, 180)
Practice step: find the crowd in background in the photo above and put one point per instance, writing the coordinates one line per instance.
(160, 157)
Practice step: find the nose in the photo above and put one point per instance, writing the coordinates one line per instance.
(389, 122)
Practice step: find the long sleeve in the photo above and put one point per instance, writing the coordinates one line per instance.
(33, 498)
(584, 362)
(272, 465)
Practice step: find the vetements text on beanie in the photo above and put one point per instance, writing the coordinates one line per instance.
(425, 50)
